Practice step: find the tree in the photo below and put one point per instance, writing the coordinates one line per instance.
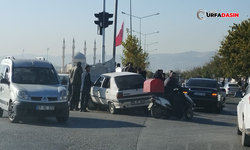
(235, 50)
(133, 53)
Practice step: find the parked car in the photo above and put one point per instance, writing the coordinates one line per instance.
(30, 87)
(120, 90)
(231, 88)
(205, 93)
(243, 117)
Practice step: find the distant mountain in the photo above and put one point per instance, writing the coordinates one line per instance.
(178, 61)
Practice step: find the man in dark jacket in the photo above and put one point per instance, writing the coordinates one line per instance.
(176, 99)
(85, 89)
(75, 80)
(158, 74)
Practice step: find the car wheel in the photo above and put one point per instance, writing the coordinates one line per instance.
(112, 108)
(62, 119)
(1, 112)
(156, 112)
(238, 131)
(92, 105)
(12, 114)
(245, 138)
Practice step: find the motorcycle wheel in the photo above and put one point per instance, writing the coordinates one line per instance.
(156, 112)
(189, 113)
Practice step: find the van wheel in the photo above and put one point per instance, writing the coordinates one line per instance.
(62, 119)
(1, 112)
(112, 108)
(12, 114)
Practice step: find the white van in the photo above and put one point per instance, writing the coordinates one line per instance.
(30, 87)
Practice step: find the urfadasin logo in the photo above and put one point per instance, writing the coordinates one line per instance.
(202, 13)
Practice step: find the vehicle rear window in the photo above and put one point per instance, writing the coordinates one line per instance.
(129, 82)
(233, 85)
(201, 83)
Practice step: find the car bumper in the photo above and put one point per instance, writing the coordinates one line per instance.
(205, 103)
(131, 103)
(26, 109)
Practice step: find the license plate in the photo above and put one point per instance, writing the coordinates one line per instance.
(137, 102)
(45, 107)
(199, 94)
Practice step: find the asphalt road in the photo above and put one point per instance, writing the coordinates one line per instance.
(129, 131)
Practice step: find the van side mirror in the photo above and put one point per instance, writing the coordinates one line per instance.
(4, 81)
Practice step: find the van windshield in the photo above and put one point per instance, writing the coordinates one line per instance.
(129, 82)
(34, 75)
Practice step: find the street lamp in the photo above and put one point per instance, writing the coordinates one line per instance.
(145, 36)
(140, 20)
(47, 54)
(152, 50)
(22, 53)
(150, 44)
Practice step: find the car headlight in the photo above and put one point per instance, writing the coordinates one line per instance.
(22, 95)
(63, 95)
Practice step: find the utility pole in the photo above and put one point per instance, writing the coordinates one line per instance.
(115, 24)
(103, 33)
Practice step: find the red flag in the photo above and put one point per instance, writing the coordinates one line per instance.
(118, 40)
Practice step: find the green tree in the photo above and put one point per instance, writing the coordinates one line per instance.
(133, 53)
(235, 50)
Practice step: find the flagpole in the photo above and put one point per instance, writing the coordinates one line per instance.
(115, 24)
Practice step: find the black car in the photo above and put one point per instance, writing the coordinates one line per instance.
(205, 93)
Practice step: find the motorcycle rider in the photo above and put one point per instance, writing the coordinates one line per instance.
(175, 99)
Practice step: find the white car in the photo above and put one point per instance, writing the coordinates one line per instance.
(120, 90)
(243, 115)
(231, 88)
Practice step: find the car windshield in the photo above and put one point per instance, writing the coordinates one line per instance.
(129, 82)
(34, 75)
(201, 83)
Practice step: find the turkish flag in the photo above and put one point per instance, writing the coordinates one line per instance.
(118, 40)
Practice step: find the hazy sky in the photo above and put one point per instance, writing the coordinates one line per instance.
(35, 25)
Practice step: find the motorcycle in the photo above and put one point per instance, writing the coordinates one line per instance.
(160, 106)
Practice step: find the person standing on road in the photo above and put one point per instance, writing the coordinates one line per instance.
(175, 99)
(125, 68)
(85, 89)
(131, 68)
(75, 79)
(118, 68)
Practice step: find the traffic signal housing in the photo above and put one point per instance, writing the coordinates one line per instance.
(103, 23)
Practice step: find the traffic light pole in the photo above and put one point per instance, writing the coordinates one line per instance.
(115, 24)
(103, 33)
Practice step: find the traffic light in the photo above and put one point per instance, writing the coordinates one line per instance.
(107, 22)
(100, 22)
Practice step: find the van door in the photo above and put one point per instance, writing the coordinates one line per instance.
(94, 93)
(104, 91)
(4, 88)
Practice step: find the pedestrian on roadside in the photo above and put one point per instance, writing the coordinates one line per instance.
(85, 89)
(125, 68)
(118, 68)
(75, 79)
(131, 68)
(157, 74)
